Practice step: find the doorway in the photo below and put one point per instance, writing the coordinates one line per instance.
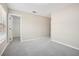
(13, 27)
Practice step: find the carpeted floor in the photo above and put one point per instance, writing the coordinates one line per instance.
(38, 47)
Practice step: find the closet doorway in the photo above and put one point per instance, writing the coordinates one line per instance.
(14, 27)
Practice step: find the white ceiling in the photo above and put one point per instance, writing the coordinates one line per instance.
(43, 9)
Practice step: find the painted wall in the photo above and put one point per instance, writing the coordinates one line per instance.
(65, 25)
(32, 26)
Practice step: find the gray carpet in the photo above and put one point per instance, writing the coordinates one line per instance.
(38, 47)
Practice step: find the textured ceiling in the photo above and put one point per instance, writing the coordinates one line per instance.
(43, 9)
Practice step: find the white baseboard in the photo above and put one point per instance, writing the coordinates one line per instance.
(65, 44)
(4, 48)
(34, 39)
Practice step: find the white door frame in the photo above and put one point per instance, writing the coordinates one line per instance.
(20, 24)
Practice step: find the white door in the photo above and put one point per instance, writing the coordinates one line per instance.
(10, 28)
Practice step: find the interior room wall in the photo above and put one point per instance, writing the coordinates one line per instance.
(32, 26)
(65, 25)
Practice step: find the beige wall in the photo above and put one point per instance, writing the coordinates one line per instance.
(65, 26)
(33, 26)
